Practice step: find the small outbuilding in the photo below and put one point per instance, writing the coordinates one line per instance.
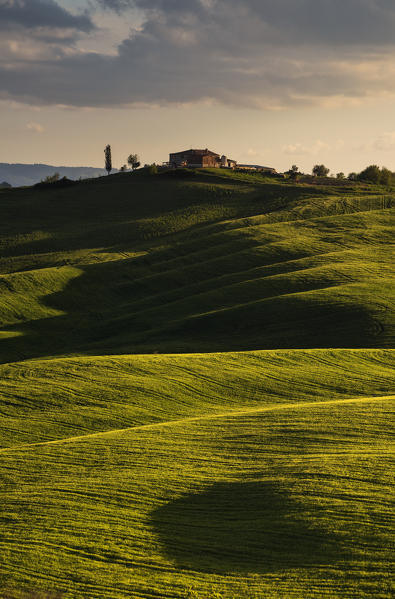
(257, 167)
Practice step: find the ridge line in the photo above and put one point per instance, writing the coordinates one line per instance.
(232, 413)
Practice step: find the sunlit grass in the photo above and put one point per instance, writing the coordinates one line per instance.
(196, 389)
(281, 502)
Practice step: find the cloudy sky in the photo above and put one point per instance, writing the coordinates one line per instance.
(276, 82)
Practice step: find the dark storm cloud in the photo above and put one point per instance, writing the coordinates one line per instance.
(321, 21)
(32, 14)
(301, 21)
(329, 21)
(256, 53)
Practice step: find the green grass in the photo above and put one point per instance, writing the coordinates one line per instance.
(280, 502)
(196, 389)
(45, 400)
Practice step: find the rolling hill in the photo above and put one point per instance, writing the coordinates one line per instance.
(196, 388)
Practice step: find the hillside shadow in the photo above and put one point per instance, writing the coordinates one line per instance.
(244, 527)
(90, 303)
(85, 216)
(153, 303)
(117, 308)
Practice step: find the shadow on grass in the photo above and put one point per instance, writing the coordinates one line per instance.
(112, 308)
(243, 527)
(114, 210)
(111, 325)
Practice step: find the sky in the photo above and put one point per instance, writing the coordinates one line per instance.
(272, 82)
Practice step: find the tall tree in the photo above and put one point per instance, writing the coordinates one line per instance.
(133, 161)
(107, 159)
(51, 178)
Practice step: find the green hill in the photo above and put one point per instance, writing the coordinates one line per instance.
(196, 384)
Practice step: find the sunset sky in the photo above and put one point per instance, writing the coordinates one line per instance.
(274, 82)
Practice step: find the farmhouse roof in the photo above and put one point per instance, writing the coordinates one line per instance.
(205, 152)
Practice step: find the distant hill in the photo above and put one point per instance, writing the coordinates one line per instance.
(28, 174)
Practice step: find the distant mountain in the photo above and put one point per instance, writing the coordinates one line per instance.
(29, 174)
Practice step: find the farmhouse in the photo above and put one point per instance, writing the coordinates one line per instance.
(200, 159)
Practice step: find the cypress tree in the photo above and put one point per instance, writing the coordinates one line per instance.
(108, 161)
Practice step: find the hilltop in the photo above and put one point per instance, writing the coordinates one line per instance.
(197, 382)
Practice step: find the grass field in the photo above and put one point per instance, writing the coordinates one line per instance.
(196, 389)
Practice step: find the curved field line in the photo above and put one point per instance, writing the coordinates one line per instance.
(187, 420)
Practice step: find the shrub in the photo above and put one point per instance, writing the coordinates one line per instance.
(371, 174)
(386, 176)
(51, 178)
(320, 170)
(152, 169)
(64, 182)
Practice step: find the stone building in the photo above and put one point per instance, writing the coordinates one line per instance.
(195, 159)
